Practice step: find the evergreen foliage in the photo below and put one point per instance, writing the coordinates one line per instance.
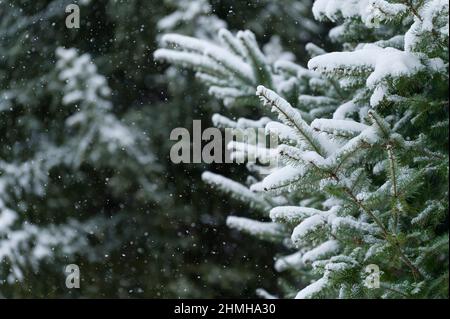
(85, 116)
(363, 165)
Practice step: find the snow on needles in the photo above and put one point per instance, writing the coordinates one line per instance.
(380, 62)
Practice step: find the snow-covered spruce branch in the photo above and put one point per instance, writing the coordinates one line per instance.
(288, 115)
(235, 66)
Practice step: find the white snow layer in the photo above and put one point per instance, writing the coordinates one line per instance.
(381, 62)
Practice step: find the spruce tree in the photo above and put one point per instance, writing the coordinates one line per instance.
(362, 175)
(84, 178)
